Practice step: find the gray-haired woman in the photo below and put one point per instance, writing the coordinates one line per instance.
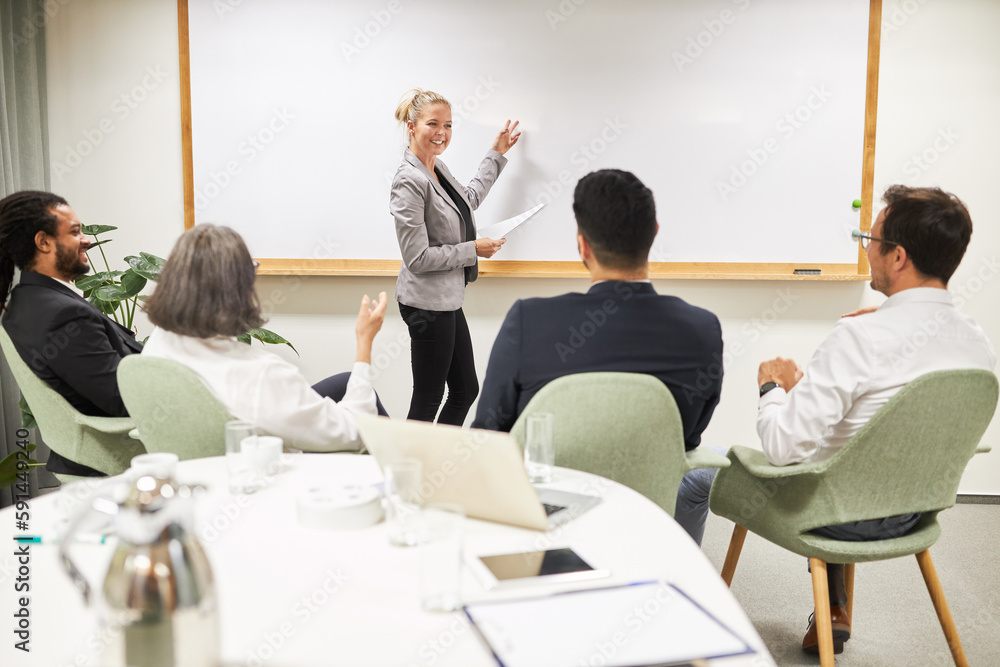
(205, 298)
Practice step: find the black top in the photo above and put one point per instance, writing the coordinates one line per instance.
(471, 272)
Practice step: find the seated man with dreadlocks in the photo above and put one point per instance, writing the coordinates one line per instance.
(66, 340)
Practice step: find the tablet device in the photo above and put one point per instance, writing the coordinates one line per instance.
(529, 567)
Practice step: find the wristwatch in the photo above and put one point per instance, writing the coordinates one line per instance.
(768, 386)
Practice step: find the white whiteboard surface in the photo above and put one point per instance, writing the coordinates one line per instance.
(745, 118)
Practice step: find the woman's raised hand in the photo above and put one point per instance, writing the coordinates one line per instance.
(506, 139)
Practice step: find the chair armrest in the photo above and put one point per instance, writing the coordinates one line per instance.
(756, 464)
(114, 425)
(705, 458)
(984, 448)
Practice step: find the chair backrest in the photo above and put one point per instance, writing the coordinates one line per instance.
(911, 455)
(623, 426)
(99, 443)
(172, 408)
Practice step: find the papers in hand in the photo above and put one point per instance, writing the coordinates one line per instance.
(499, 230)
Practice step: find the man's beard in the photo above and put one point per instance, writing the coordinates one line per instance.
(68, 263)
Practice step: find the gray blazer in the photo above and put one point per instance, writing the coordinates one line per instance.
(431, 231)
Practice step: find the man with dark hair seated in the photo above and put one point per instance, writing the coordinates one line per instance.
(620, 324)
(65, 340)
(914, 247)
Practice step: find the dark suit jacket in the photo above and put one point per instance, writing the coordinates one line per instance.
(616, 326)
(71, 345)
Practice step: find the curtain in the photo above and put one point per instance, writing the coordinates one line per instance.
(24, 165)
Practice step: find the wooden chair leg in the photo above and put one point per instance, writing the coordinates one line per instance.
(821, 599)
(733, 555)
(849, 583)
(941, 607)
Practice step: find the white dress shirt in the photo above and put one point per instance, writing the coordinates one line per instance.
(861, 365)
(260, 387)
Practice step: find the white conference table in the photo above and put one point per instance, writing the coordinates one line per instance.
(292, 595)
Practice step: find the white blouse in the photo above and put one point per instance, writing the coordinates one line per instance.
(260, 387)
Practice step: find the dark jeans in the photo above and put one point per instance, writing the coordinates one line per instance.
(335, 387)
(440, 353)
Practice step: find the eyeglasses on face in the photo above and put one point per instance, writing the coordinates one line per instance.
(866, 240)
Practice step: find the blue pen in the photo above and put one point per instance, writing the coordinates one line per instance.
(85, 538)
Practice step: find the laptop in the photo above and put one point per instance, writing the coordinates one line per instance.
(483, 471)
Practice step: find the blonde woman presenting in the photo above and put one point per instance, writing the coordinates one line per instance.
(437, 238)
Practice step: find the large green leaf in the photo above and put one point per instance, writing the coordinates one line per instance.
(146, 265)
(106, 307)
(97, 243)
(132, 282)
(27, 417)
(264, 336)
(90, 230)
(8, 467)
(90, 282)
(111, 293)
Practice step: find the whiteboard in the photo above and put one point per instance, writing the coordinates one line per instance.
(744, 117)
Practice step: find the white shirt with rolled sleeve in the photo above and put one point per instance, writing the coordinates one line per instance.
(860, 366)
(260, 387)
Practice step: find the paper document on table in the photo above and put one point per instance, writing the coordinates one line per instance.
(649, 623)
(499, 230)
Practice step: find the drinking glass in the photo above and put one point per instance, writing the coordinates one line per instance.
(402, 493)
(539, 453)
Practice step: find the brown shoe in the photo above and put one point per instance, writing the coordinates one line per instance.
(841, 631)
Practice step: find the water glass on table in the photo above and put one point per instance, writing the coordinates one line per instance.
(402, 494)
(441, 541)
(240, 462)
(539, 451)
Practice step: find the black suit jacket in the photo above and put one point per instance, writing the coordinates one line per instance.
(71, 345)
(616, 326)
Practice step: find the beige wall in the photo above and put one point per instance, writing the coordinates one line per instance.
(938, 92)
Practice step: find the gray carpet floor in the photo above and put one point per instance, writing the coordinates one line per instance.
(894, 622)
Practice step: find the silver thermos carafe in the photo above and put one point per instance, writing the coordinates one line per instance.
(158, 603)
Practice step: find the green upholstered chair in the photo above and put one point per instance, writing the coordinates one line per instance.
(908, 458)
(102, 443)
(623, 426)
(173, 409)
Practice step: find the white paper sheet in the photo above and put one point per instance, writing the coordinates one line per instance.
(499, 230)
(649, 623)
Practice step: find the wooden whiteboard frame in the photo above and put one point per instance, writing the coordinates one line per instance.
(561, 269)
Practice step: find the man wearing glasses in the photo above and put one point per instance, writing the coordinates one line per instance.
(914, 247)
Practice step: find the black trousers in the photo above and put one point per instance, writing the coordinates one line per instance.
(335, 387)
(440, 353)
